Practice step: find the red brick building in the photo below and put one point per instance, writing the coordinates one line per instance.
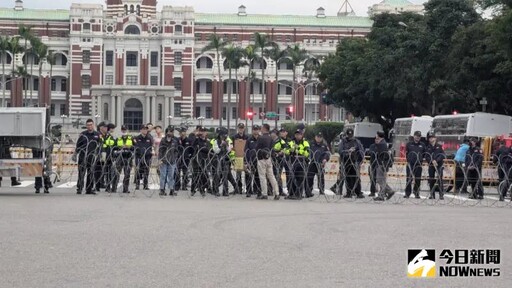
(129, 63)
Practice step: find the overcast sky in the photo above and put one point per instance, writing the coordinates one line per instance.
(297, 7)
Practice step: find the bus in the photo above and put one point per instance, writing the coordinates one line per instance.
(403, 131)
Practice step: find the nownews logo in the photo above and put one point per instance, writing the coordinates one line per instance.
(459, 263)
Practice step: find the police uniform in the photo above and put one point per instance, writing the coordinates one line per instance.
(299, 152)
(123, 154)
(199, 161)
(252, 180)
(88, 147)
(280, 149)
(185, 155)
(169, 156)
(103, 171)
(222, 147)
(382, 161)
(143, 156)
(351, 154)
(503, 160)
(414, 153)
(474, 160)
(435, 153)
(319, 156)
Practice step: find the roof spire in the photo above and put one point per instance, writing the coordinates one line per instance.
(18, 5)
(346, 9)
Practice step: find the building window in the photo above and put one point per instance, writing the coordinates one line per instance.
(131, 80)
(289, 90)
(63, 84)
(154, 81)
(160, 112)
(178, 29)
(154, 59)
(105, 111)
(178, 58)
(35, 84)
(208, 112)
(62, 109)
(131, 59)
(54, 84)
(138, 10)
(109, 79)
(208, 87)
(177, 83)
(224, 113)
(198, 36)
(177, 109)
(86, 81)
(52, 109)
(86, 27)
(86, 56)
(85, 109)
(132, 30)
(234, 114)
(109, 61)
(235, 37)
(198, 112)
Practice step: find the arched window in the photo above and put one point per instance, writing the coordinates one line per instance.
(105, 111)
(132, 30)
(133, 114)
(204, 63)
(132, 9)
(178, 29)
(125, 9)
(138, 10)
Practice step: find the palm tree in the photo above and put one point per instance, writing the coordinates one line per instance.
(262, 41)
(4, 47)
(276, 54)
(232, 54)
(41, 51)
(296, 57)
(26, 33)
(15, 48)
(239, 63)
(250, 56)
(217, 43)
(50, 58)
(35, 44)
(310, 69)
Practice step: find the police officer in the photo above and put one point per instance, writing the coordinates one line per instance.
(252, 180)
(383, 160)
(240, 135)
(372, 169)
(286, 163)
(185, 152)
(280, 149)
(143, 153)
(168, 155)
(299, 152)
(319, 156)
(474, 161)
(434, 155)
(199, 161)
(221, 146)
(103, 166)
(351, 154)
(414, 152)
(123, 153)
(87, 151)
(503, 160)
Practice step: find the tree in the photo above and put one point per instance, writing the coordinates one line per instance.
(41, 52)
(261, 42)
(276, 54)
(26, 33)
(232, 54)
(296, 56)
(51, 59)
(251, 56)
(4, 48)
(238, 63)
(15, 48)
(217, 43)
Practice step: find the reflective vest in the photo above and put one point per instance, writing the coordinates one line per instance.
(302, 148)
(231, 153)
(128, 143)
(108, 141)
(281, 145)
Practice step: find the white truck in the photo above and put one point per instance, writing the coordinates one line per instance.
(403, 130)
(23, 129)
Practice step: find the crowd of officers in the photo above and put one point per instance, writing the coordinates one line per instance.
(102, 159)
(267, 154)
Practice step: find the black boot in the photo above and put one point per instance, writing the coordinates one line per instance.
(162, 192)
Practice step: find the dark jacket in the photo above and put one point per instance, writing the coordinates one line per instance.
(380, 155)
(144, 145)
(264, 146)
(434, 152)
(201, 148)
(414, 152)
(185, 148)
(503, 157)
(250, 150)
(319, 152)
(351, 157)
(88, 144)
(474, 158)
(168, 150)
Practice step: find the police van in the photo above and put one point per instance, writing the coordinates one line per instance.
(403, 131)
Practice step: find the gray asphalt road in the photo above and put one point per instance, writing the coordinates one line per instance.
(67, 240)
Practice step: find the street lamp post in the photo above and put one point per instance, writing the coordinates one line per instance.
(170, 119)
